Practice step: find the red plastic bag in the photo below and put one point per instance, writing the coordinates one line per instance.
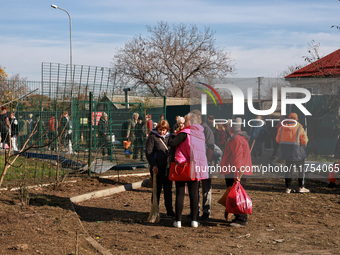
(238, 201)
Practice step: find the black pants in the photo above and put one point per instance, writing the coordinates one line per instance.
(300, 167)
(138, 148)
(229, 181)
(193, 195)
(206, 193)
(51, 135)
(275, 146)
(257, 149)
(164, 183)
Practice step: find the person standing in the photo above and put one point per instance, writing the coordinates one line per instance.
(23, 131)
(258, 134)
(104, 134)
(179, 125)
(30, 123)
(130, 132)
(222, 136)
(189, 146)
(30, 128)
(39, 126)
(139, 142)
(162, 116)
(4, 127)
(292, 140)
(14, 131)
(212, 125)
(149, 124)
(66, 131)
(206, 183)
(157, 151)
(52, 127)
(237, 156)
(175, 126)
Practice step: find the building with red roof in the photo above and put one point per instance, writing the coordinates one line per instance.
(320, 77)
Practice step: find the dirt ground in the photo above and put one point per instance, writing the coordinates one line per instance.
(280, 224)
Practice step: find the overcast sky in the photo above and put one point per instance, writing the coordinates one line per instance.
(263, 37)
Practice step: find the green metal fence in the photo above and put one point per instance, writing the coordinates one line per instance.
(323, 127)
(46, 146)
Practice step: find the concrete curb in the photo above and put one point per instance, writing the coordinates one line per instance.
(106, 192)
(123, 175)
(97, 194)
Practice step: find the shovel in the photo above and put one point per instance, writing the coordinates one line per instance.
(154, 214)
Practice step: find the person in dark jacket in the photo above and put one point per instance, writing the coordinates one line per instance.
(206, 183)
(104, 134)
(139, 139)
(213, 128)
(66, 132)
(4, 127)
(156, 150)
(258, 134)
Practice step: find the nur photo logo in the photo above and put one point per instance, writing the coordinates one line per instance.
(204, 97)
(289, 96)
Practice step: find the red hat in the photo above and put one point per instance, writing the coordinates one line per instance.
(293, 116)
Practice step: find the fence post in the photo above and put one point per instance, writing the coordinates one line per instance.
(56, 125)
(164, 107)
(75, 124)
(90, 136)
(19, 126)
(94, 109)
(111, 143)
(41, 127)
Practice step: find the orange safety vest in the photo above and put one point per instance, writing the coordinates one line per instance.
(290, 134)
(291, 139)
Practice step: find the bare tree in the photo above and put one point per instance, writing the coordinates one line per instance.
(12, 88)
(170, 59)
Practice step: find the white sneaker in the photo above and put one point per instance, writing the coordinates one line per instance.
(288, 190)
(195, 224)
(303, 190)
(177, 224)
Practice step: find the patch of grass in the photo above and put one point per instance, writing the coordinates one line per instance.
(29, 170)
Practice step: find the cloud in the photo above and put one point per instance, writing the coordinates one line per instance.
(264, 37)
(26, 57)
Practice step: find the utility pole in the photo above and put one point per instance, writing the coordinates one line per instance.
(259, 90)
